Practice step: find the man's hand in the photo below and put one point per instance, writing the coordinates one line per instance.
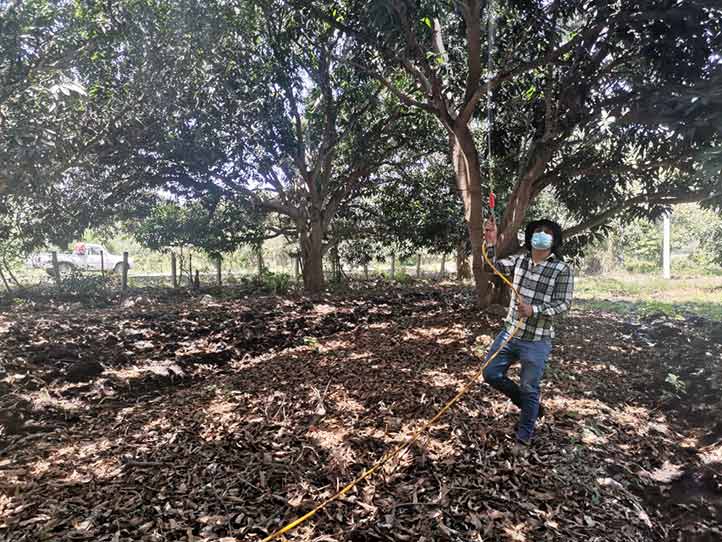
(490, 231)
(525, 310)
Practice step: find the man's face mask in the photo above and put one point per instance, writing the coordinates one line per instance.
(541, 241)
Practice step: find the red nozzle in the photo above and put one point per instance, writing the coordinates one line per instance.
(492, 200)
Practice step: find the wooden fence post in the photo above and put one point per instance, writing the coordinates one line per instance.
(218, 270)
(56, 269)
(125, 272)
(102, 263)
(173, 270)
(261, 265)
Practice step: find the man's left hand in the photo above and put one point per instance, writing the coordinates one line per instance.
(525, 310)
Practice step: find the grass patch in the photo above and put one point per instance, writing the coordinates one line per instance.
(647, 294)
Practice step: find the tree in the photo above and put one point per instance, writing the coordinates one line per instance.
(39, 97)
(70, 142)
(569, 79)
(335, 139)
(694, 110)
(713, 242)
(404, 212)
(418, 212)
(413, 211)
(223, 228)
(266, 112)
(209, 101)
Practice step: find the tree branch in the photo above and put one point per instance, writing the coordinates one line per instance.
(390, 54)
(340, 195)
(328, 144)
(471, 11)
(266, 204)
(429, 79)
(669, 199)
(469, 106)
(403, 97)
(300, 157)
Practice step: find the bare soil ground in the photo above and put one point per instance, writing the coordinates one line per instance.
(203, 419)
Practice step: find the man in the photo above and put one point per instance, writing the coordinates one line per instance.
(546, 285)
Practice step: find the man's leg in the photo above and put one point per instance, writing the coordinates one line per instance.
(534, 355)
(495, 372)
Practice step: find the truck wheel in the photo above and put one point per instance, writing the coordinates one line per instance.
(118, 269)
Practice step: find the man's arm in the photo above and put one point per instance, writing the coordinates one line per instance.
(561, 297)
(505, 265)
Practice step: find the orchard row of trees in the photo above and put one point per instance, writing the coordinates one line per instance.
(223, 122)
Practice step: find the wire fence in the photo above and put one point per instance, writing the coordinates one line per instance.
(89, 274)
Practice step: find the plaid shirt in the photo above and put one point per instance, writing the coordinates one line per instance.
(547, 286)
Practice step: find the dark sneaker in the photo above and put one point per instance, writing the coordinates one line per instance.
(539, 417)
(521, 448)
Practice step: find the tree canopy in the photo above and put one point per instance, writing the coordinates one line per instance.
(311, 111)
(223, 228)
(572, 82)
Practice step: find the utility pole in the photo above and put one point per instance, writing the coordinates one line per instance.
(666, 249)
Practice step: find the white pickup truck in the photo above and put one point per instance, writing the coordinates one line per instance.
(85, 256)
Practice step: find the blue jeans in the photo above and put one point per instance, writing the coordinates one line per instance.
(533, 356)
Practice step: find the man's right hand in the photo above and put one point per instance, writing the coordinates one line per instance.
(490, 231)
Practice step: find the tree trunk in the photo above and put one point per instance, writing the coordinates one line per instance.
(2, 276)
(442, 269)
(468, 177)
(11, 275)
(181, 265)
(366, 271)
(311, 241)
(336, 264)
(519, 201)
(462, 262)
(418, 266)
(393, 266)
(465, 159)
(521, 197)
(259, 258)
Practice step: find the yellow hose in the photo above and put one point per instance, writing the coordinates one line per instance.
(393, 454)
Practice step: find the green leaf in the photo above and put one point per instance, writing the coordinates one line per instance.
(427, 22)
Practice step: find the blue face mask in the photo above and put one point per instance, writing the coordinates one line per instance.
(541, 241)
